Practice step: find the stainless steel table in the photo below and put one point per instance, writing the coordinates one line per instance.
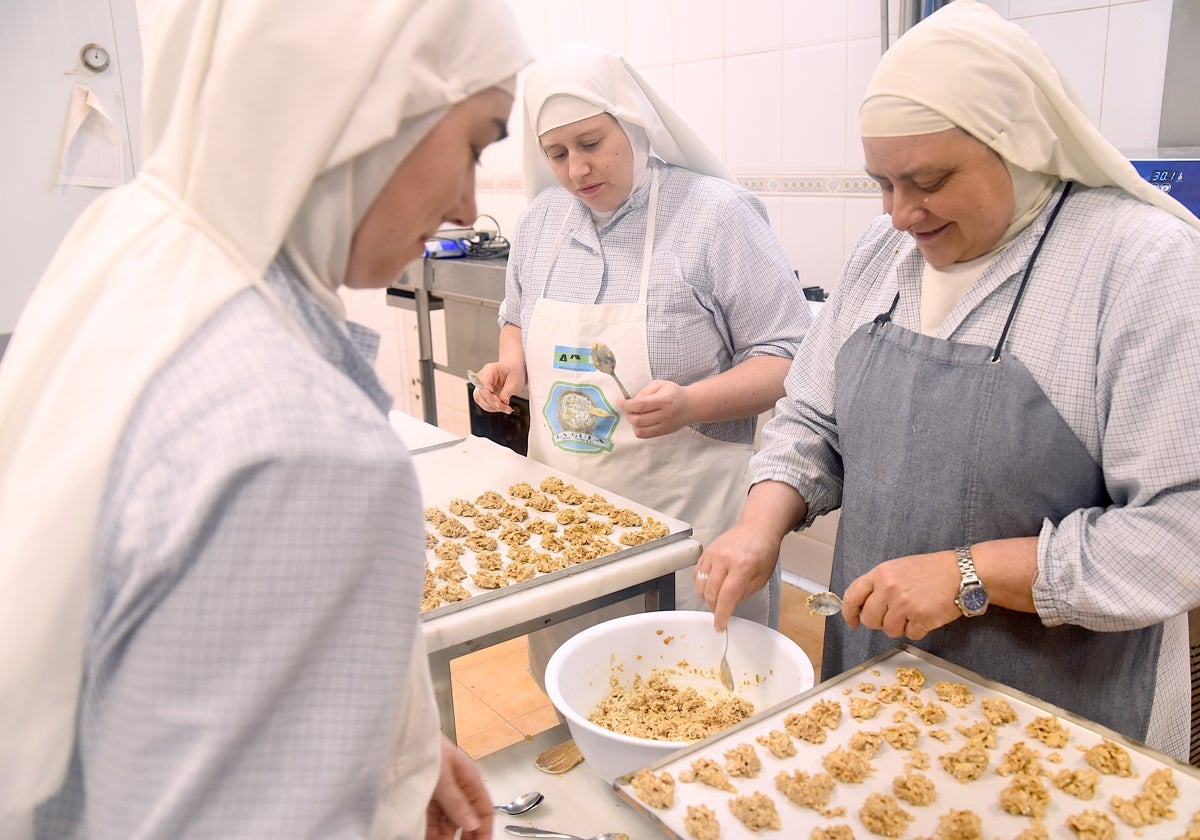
(577, 802)
(469, 292)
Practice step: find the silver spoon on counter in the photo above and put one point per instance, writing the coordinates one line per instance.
(824, 603)
(524, 802)
(605, 361)
(522, 831)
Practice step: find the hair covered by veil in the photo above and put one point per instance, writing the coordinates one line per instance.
(1005, 92)
(609, 83)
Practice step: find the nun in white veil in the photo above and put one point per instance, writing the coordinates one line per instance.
(999, 397)
(637, 238)
(270, 130)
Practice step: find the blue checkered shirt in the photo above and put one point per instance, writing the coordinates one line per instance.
(256, 576)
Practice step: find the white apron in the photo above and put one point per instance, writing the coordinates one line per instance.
(684, 474)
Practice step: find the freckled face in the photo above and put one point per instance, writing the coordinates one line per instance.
(947, 190)
(434, 184)
(593, 159)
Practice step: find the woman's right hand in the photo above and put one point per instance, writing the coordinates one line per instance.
(740, 561)
(733, 567)
(500, 382)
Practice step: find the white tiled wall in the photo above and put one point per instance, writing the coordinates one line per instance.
(773, 86)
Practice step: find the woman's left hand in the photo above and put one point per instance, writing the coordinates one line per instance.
(460, 799)
(906, 597)
(658, 409)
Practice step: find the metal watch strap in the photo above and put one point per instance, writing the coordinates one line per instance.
(966, 565)
(972, 598)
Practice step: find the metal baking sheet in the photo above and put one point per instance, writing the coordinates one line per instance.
(981, 796)
(467, 469)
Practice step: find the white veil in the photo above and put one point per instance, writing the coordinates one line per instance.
(614, 87)
(989, 77)
(246, 105)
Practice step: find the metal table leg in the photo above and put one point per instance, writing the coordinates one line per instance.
(425, 356)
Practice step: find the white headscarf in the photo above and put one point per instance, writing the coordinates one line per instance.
(966, 66)
(266, 124)
(611, 86)
(563, 109)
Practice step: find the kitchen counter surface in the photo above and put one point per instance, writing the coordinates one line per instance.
(577, 802)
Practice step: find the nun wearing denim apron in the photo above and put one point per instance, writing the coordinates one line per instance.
(890, 378)
(1004, 376)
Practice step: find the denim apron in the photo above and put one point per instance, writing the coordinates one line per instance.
(945, 444)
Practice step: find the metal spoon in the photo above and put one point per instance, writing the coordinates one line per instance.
(524, 802)
(824, 603)
(605, 361)
(474, 379)
(522, 831)
(726, 674)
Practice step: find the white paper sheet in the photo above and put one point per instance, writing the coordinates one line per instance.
(92, 152)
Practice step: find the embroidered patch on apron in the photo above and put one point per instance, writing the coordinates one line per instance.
(573, 358)
(581, 419)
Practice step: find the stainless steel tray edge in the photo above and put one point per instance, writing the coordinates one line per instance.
(621, 785)
(547, 577)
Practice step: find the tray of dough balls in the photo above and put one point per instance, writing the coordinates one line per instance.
(911, 746)
(497, 523)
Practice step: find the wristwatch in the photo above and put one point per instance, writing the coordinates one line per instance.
(972, 597)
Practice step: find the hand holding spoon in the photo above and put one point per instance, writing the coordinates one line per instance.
(474, 379)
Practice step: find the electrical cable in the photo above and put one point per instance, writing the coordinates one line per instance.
(485, 244)
(482, 245)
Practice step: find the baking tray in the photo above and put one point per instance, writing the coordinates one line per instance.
(980, 796)
(418, 435)
(466, 469)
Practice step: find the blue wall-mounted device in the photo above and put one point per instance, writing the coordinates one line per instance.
(1175, 171)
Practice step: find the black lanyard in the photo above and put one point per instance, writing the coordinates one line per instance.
(886, 317)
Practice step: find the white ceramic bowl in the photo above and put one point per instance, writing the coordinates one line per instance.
(768, 668)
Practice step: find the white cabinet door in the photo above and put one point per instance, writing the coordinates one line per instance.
(41, 43)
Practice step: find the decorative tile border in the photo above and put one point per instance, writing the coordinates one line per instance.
(832, 184)
(500, 183)
(811, 183)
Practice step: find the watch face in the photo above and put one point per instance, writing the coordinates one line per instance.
(973, 599)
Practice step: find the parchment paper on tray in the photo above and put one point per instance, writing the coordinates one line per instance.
(498, 523)
(908, 742)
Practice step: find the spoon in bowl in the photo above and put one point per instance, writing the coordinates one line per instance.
(726, 674)
(524, 802)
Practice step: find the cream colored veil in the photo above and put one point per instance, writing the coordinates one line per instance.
(989, 77)
(612, 85)
(247, 106)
